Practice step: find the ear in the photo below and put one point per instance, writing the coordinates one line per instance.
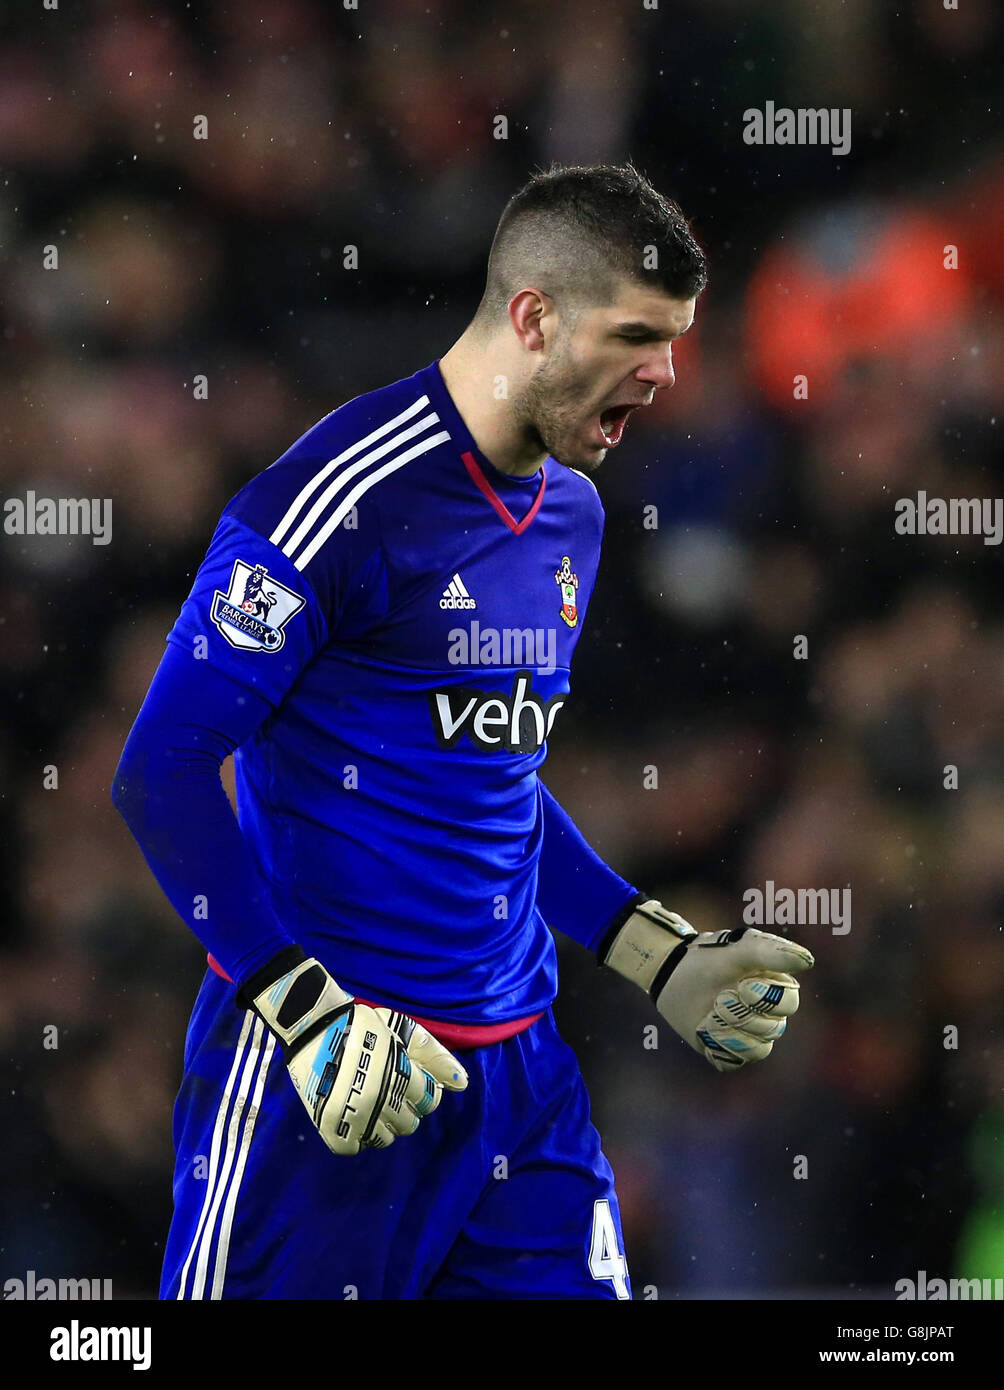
(531, 314)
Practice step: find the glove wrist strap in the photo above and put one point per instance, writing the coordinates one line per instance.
(287, 959)
(295, 997)
(610, 935)
(648, 945)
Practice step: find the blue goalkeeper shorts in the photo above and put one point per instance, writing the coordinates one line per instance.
(503, 1192)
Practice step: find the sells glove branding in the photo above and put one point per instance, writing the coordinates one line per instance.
(253, 612)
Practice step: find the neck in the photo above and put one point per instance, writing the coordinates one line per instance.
(471, 371)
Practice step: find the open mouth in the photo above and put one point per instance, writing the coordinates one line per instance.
(612, 422)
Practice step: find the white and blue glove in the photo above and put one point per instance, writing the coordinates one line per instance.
(366, 1075)
(729, 994)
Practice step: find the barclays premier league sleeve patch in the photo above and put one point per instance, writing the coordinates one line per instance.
(255, 609)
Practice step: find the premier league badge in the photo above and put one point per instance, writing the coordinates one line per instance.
(255, 609)
(567, 582)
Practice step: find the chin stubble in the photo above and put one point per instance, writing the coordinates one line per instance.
(548, 413)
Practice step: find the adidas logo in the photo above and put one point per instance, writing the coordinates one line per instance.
(455, 595)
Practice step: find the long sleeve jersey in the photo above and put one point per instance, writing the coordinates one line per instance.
(381, 633)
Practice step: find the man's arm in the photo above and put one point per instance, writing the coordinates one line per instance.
(224, 673)
(231, 661)
(168, 791)
(728, 994)
(577, 893)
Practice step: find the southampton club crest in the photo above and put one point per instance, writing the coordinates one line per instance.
(255, 609)
(567, 582)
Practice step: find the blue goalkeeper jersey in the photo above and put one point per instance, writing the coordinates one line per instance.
(410, 613)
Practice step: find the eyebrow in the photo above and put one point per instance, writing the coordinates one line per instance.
(636, 326)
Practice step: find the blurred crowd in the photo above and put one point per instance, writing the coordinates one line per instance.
(705, 750)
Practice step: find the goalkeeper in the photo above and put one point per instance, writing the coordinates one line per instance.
(376, 1102)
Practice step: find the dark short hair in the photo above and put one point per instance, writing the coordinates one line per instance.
(575, 230)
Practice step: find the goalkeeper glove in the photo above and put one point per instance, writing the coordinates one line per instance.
(365, 1074)
(729, 994)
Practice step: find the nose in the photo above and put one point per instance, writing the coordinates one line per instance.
(659, 369)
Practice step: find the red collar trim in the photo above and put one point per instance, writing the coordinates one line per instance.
(518, 527)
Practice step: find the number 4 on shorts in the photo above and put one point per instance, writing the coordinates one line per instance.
(605, 1258)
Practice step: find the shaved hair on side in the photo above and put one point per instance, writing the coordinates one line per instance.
(576, 231)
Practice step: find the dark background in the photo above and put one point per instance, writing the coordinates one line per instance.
(375, 128)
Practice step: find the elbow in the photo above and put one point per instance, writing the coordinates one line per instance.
(128, 790)
(119, 791)
(122, 790)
